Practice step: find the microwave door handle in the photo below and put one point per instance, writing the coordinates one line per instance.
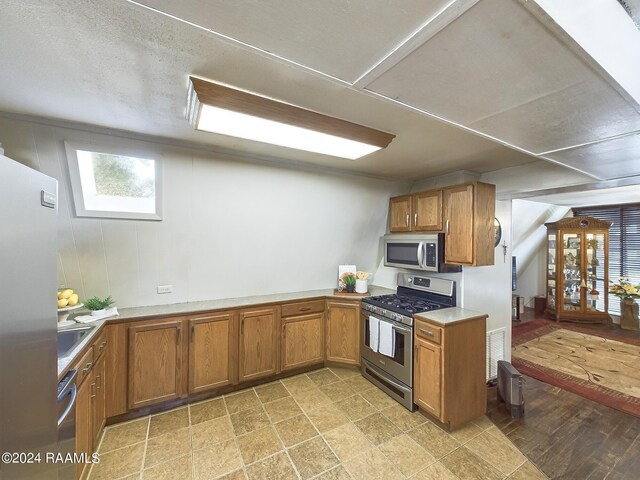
(421, 254)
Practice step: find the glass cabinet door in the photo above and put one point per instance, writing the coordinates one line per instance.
(551, 270)
(595, 275)
(572, 281)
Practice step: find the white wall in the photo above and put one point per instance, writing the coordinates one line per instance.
(231, 228)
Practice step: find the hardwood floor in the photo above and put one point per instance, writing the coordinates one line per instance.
(570, 437)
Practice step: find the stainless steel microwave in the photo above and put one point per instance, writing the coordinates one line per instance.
(417, 252)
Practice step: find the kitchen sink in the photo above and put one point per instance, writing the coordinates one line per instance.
(69, 338)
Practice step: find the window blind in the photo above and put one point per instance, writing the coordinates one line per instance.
(624, 242)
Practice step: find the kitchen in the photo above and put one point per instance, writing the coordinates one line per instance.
(240, 219)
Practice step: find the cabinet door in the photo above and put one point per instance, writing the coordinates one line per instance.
(400, 214)
(427, 211)
(302, 340)
(155, 363)
(343, 332)
(259, 341)
(98, 405)
(84, 436)
(213, 343)
(459, 225)
(427, 376)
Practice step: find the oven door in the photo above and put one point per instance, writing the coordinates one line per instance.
(400, 366)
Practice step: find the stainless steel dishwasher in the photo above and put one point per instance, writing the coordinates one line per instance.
(67, 393)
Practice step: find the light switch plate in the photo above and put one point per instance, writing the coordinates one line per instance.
(165, 289)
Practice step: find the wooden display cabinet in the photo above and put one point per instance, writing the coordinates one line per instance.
(577, 270)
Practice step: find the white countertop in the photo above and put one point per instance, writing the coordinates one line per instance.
(447, 316)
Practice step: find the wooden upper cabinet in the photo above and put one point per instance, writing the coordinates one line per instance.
(400, 214)
(427, 211)
(302, 340)
(213, 351)
(469, 212)
(343, 332)
(259, 342)
(427, 377)
(155, 362)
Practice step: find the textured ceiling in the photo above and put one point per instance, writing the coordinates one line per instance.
(475, 75)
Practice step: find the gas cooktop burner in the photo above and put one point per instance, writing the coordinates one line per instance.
(408, 305)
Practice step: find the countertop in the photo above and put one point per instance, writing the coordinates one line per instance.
(140, 313)
(447, 316)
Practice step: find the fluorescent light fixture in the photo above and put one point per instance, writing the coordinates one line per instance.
(220, 109)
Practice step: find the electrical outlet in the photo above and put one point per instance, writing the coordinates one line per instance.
(165, 289)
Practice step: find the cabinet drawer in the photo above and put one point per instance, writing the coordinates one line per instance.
(429, 332)
(301, 308)
(84, 366)
(100, 345)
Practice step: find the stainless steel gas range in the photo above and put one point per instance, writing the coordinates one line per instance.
(386, 339)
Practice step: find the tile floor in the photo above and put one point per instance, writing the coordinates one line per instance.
(327, 424)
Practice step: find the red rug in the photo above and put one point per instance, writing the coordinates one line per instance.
(588, 389)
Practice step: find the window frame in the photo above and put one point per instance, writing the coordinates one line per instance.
(77, 192)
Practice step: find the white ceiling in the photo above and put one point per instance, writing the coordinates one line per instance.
(474, 75)
(607, 196)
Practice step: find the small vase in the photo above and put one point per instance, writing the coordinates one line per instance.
(350, 288)
(361, 286)
(95, 313)
(629, 314)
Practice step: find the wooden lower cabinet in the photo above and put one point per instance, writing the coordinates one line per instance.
(302, 340)
(155, 362)
(259, 343)
(213, 351)
(449, 369)
(98, 405)
(343, 332)
(84, 420)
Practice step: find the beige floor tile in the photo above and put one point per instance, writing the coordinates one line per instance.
(219, 459)
(282, 409)
(372, 465)
(235, 475)
(249, 420)
(271, 391)
(168, 422)
(435, 471)
(337, 473)
(336, 390)
(310, 399)
(406, 455)
(377, 428)
(378, 398)
(358, 383)
(327, 417)
(483, 422)
(244, 400)
(165, 447)
(295, 430)
(403, 418)
(204, 411)
(124, 434)
(498, 452)
(355, 407)
(345, 372)
(257, 445)
(528, 471)
(434, 440)
(312, 457)
(298, 383)
(119, 463)
(347, 441)
(467, 466)
(177, 468)
(277, 467)
(466, 432)
(209, 433)
(323, 377)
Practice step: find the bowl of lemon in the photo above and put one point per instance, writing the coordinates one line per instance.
(68, 300)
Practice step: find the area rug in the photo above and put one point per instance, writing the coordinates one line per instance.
(598, 365)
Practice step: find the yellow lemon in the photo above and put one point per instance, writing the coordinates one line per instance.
(73, 300)
(62, 302)
(67, 293)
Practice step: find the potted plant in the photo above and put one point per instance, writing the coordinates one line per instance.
(349, 279)
(97, 305)
(627, 293)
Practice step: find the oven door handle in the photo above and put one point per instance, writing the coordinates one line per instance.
(401, 329)
(421, 255)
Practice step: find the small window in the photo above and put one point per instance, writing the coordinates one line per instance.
(108, 181)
